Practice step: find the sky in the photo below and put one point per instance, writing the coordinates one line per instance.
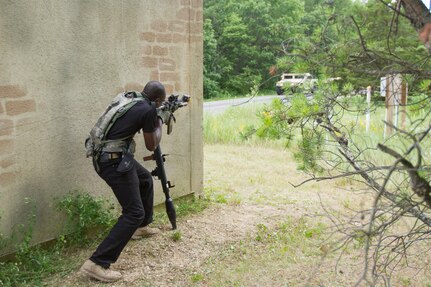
(427, 3)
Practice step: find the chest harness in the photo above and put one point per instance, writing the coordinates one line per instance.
(96, 141)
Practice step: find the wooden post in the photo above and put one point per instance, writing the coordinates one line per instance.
(389, 104)
(404, 93)
(367, 121)
(397, 81)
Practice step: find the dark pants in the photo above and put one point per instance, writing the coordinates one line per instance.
(134, 192)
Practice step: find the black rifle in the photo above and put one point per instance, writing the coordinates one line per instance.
(173, 103)
(160, 173)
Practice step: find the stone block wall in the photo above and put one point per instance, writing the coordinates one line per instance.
(16, 107)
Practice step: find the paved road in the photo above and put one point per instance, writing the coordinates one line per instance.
(216, 107)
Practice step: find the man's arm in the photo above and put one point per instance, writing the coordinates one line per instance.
(152, 140)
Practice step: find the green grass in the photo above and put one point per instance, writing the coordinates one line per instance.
(31, 265)
(221, 194)
(228, 126)
(236, 126)
(355, 125)
(184, 206)
(233, 126)
(189, 205)
(197, 277)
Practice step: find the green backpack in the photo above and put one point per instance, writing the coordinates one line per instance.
(96, 141)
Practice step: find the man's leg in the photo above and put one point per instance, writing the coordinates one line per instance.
(126, 189)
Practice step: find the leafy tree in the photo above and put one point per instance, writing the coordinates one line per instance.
(357, 42)
(249, 35)
(211, 70)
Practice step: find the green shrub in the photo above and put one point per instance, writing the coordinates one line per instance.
(32, 264)
(85, 214)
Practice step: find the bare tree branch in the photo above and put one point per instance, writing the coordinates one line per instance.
(418, 184)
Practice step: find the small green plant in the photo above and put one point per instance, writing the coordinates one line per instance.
(197, 277)
(176, 235)
(85, 214)
(220, 198)
(190, 205)
(262, 232)
(224, 195)
(360, 238)
(405, 281)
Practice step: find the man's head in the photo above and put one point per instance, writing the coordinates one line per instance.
(155, 91)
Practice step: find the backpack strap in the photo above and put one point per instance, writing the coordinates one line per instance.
(137, 97)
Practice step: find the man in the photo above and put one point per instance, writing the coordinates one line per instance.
(133, 188)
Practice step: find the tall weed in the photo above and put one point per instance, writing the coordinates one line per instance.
(237, 125)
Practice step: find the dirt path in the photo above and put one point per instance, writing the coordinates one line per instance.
(161, 261)
(251, 197)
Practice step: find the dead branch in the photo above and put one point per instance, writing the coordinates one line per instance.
(349, 174)
(418, 184)
(372, 183)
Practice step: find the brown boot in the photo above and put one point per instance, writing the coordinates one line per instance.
(145, 232)
(95, 271)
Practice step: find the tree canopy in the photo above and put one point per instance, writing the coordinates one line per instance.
(356, 41)
(243, 39)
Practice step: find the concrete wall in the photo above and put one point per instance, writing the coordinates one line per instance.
(61, 62)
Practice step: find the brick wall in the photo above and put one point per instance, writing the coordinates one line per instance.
(16, 106)
(160, 42)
